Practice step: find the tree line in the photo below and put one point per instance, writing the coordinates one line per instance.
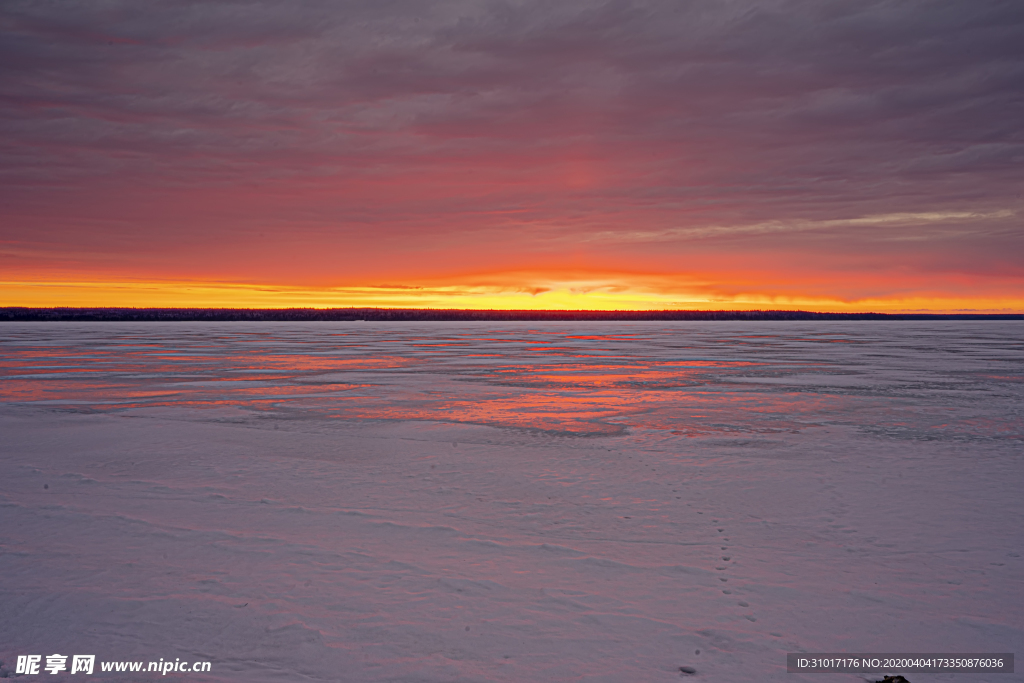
(64, 314)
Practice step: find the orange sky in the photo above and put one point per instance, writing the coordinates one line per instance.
(518, 290)
(589, 155)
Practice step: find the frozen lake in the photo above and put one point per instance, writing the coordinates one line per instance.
(510, 501)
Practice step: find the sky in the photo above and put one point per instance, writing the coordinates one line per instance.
(831, 155)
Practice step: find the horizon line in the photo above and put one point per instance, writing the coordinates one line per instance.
(427, 314)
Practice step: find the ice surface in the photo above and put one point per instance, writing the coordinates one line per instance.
(510, 501)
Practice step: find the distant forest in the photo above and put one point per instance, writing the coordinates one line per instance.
(434, 314)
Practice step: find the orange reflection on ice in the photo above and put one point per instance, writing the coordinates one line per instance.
(550, 378)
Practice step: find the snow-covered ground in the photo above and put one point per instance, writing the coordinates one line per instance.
(510, 501)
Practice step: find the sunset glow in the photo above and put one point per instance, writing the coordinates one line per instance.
(585, 295)
(589, 155)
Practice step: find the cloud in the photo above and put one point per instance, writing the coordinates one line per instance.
(519, 126)
(952, 222)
